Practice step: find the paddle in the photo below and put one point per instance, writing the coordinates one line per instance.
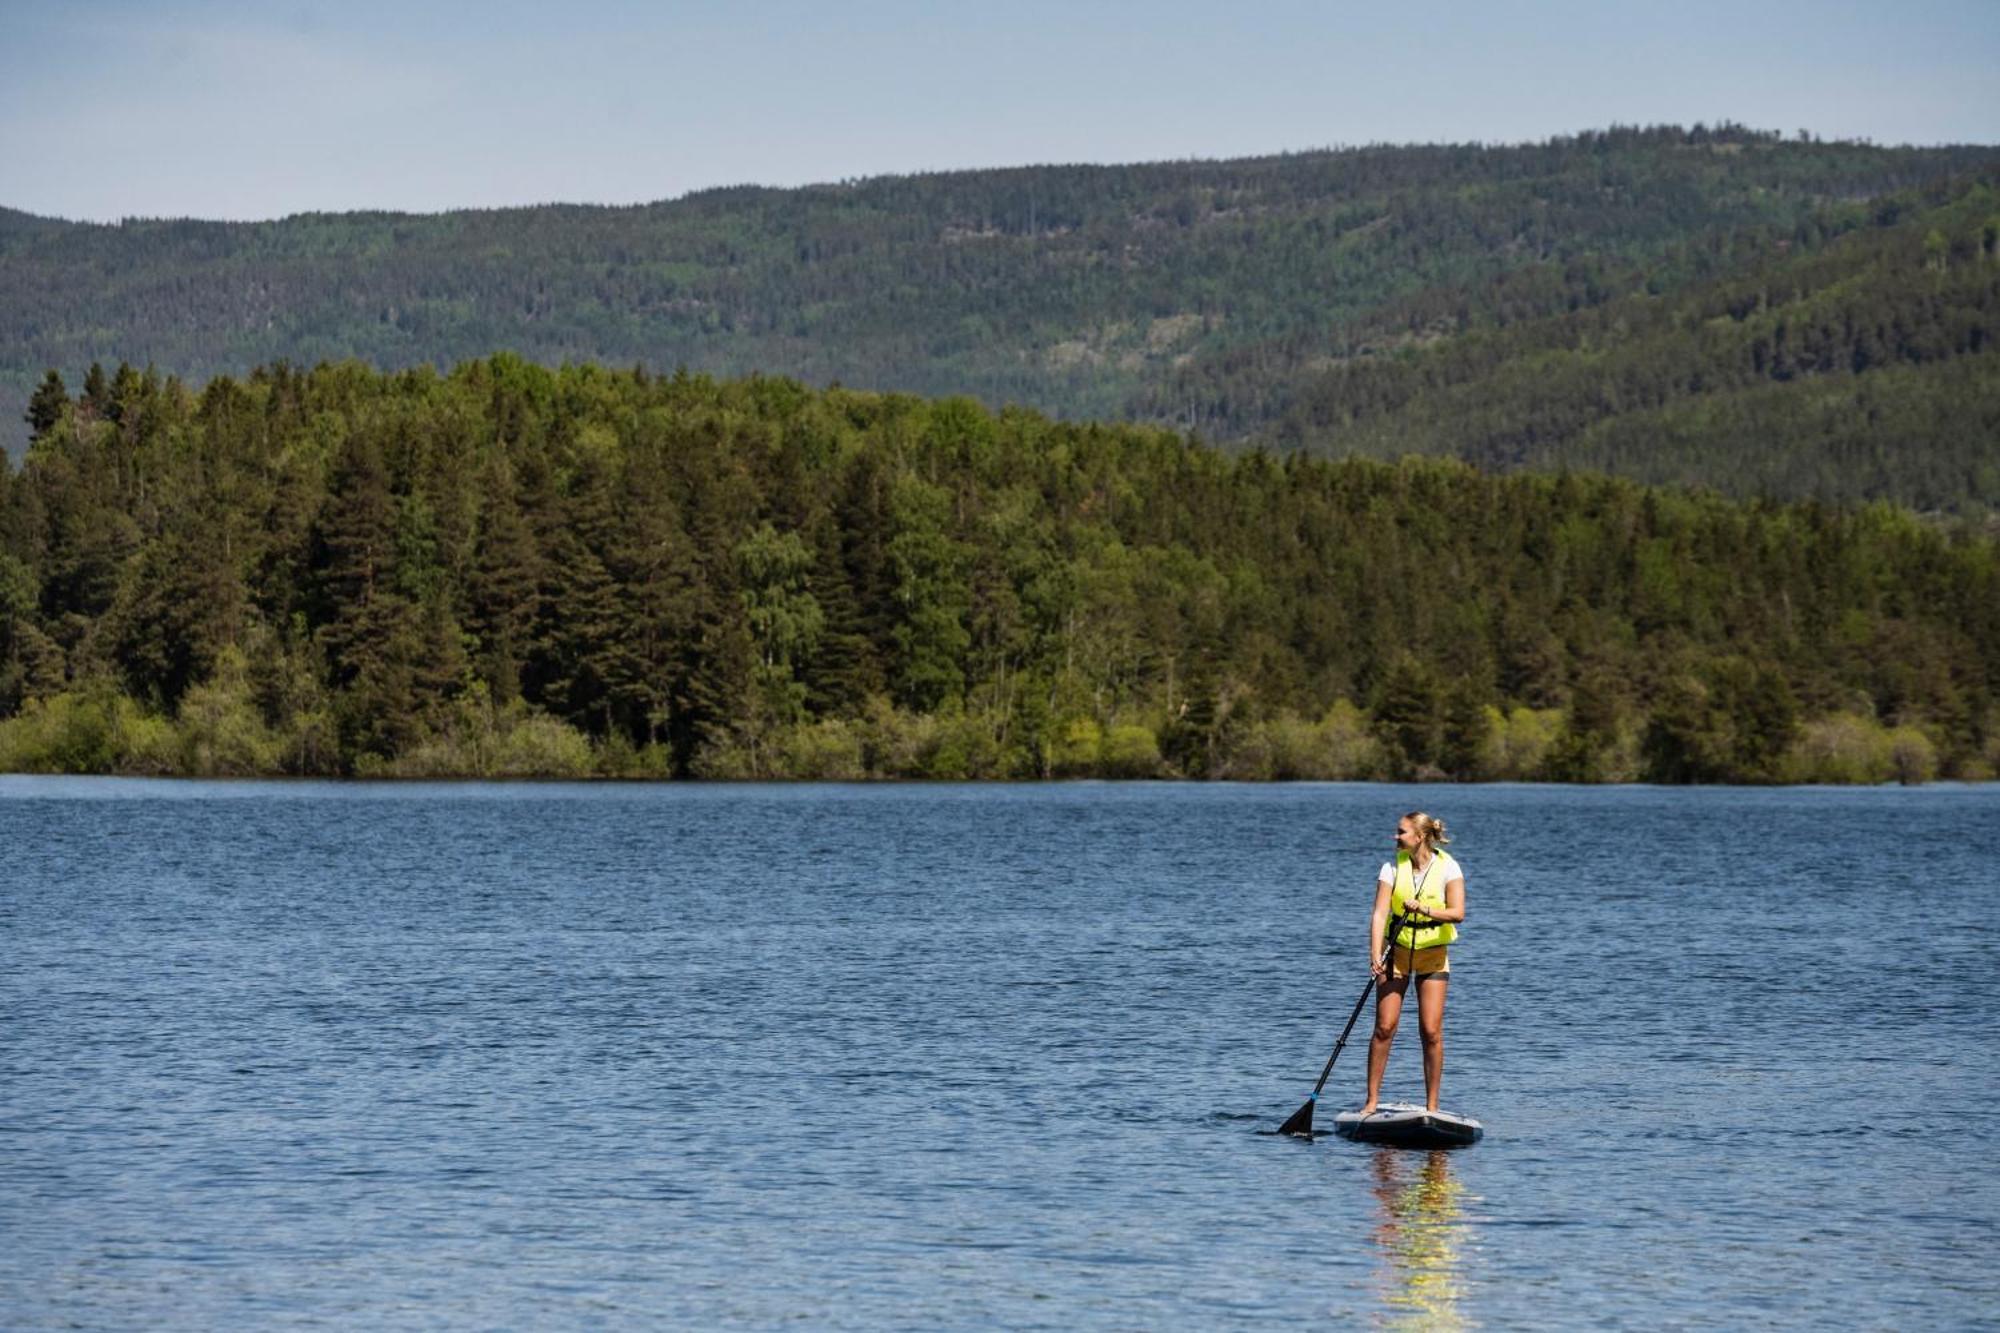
(1301, 1122)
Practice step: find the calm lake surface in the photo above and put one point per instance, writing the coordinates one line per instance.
(912, 1056)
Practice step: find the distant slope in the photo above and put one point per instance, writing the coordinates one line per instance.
(1866, 367)
(1229, 298)
(18, 228)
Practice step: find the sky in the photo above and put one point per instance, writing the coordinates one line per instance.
(197, 108)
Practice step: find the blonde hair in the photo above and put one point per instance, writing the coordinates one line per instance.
(1429, 829)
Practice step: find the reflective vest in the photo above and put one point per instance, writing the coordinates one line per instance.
(1441, 871)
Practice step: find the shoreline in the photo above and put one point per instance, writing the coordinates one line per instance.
(632, 780)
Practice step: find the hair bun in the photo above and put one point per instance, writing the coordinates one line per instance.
(1430, 829)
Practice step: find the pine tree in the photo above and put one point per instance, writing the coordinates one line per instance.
(588, 650)
(1464, 729)
(844, 670)
(369, 632)
(503, 592)
(931, 598)
(179, 605)
(1407, 717)
(1590, 726)
(97, 392)
(46, 406)
(656, 571)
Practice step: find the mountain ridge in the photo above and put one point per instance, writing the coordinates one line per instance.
(1213, 296)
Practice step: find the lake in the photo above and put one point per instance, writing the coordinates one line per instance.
(483, 1056)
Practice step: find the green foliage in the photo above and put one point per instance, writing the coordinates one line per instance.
(1409, 719)
(94, 730)
(824, 751)
(505, 570)
(1648, 301)
(222, 732)
(1843, 749)
(485, 742)
(1913, 756)
(1079, 744)
(1590, 745)
(1518, 742)
(1340, 747)
(931, 595)
(46, 406)
(1733, 722)
(785, 619)
(1847, 370)
(1129, 751)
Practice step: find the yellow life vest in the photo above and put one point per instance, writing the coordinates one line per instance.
(1441, 871)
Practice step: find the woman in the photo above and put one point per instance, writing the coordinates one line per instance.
(1425, 885)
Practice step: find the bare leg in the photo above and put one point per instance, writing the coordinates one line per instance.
(1388, 1010)
(1430, 1025)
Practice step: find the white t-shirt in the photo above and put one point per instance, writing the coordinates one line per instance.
(1388, 872)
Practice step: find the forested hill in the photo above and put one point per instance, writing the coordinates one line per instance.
(1868, 366)
(513, 570)
(1770, 314)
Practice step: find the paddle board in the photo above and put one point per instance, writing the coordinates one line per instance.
(1402, 1125)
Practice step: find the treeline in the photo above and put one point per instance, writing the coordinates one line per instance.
(507, 570)
(1213, 297)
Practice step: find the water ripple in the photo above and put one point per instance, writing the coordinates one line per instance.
(439, 1056)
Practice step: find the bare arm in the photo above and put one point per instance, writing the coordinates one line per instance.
(1454, 904)
(1378, 925)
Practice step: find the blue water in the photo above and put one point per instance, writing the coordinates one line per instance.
(875, 1057)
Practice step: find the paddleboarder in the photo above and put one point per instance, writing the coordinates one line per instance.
(1425, 882)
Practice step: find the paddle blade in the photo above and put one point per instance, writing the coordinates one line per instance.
(1301, 1122)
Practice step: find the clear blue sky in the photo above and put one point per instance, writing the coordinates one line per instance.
(206, 109)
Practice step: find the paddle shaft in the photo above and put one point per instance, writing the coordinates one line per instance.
(1395, 928)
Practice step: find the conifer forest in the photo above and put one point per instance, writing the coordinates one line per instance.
(1642, 454)
(510, 570)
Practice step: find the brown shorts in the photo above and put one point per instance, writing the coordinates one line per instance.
(1431, 962)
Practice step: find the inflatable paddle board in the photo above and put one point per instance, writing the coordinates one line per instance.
(1401, 1125)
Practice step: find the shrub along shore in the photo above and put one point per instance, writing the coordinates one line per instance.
(510, 571)
(219, 732)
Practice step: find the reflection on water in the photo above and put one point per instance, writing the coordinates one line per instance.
(1417, 1236)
